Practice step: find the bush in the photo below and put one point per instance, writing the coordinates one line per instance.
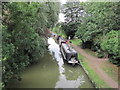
(111, 46)
(100, 54)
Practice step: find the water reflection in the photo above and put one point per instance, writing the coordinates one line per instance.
(48, 73)
(69, 76)
(55, 50)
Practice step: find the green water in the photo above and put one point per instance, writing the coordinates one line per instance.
(52, 72)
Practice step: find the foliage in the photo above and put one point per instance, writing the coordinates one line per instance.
(24, 28)
(100, 54)
(72, 12)
(1, 86)
(70, 29)
(110, 44)
(58, 30)
(98, 20)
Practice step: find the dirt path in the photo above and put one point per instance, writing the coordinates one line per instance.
(95, 63)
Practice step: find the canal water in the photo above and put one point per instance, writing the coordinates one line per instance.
(52, 72)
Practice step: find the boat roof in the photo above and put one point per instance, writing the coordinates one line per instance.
(68, 49)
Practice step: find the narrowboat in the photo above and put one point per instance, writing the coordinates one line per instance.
(69, 54)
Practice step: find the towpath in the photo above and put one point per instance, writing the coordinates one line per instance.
(95, 63)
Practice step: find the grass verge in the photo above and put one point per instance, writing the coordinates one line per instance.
(99, 83)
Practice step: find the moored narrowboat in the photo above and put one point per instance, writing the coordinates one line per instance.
(68, 53)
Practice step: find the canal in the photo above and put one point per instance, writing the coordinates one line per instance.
(52, 72)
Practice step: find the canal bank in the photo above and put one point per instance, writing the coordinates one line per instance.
(53, 72)
(70, 77)
(82, 66)
(95, 72)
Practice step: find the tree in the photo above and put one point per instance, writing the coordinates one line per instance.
(24, 42)
(110, 44)
(99, 20)
(73, 12)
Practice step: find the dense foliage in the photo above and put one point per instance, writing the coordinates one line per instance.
(101, 20)
(110, 44)
(24, 27)
(99, 23)
(73, 12)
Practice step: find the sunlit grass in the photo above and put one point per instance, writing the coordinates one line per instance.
(76, 41)
(59, 31)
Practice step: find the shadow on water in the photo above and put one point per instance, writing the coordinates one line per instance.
(52, 72)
